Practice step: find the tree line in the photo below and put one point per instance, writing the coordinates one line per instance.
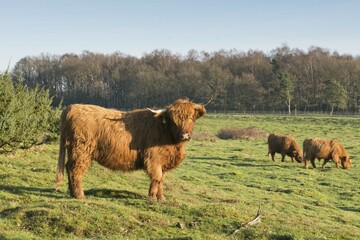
(284, 80)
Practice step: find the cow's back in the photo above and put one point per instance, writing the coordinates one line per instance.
(276, 142)
(317, 148)
(100, 133)
(83, 122)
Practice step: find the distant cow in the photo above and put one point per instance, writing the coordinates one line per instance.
(325, 149)
(285, 145)
(152, 140)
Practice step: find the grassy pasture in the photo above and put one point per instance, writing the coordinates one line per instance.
(218, 187)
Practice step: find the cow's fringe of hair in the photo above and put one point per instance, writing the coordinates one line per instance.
(253, 222)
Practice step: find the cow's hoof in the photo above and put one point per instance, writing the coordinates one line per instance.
(161, 198)
(78, 196)
(152, 197)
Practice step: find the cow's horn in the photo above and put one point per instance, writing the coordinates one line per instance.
(212, 95)
(157, 111)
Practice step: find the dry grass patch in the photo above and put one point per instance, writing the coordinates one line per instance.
(204, 137)
(250, 133)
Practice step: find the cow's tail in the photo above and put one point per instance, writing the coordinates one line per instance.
(61, 161)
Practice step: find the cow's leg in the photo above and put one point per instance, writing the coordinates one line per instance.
(160, 192)
(336, 160)
(156, 185)
(306, 161)
(325, 162)
(76, 168)
(270, 153)
(283, 157)
(273, 156)
(313, 162)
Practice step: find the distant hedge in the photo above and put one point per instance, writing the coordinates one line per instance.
(26, 115)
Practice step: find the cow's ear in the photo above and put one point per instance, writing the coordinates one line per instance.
(200, 111)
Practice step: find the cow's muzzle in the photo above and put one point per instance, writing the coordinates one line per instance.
(185, 136)
(346, 165)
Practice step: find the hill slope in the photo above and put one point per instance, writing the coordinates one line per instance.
(218, 187)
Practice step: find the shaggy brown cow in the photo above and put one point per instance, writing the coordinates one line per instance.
(325, 149)
(286, 145)
(140, 139)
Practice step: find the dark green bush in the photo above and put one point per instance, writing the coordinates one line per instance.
(26, 115)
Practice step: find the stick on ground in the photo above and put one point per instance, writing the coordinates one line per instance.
(253, 222)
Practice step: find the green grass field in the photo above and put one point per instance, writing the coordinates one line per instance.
(218, 187)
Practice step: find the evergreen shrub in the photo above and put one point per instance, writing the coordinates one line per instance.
(26, 115)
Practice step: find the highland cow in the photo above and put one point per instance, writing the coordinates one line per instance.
(327, 149)
(285, 145)
(152, 140)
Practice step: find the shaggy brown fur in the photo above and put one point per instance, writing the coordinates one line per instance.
(325, 149)
(285, 145)
(138, 139)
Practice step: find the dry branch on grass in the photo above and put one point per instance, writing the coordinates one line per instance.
(253, 222)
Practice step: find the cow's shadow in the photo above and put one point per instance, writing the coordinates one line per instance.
(111, 193)
(350, 209)
(37, 191)
(51, 193)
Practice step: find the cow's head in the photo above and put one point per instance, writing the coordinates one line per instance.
(345, 162)
(298, 155)
(180, 117)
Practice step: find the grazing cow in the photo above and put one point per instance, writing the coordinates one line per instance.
(285, 145)
(152, 140)
(325, 149)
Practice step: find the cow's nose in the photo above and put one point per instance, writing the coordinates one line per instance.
(186, 136)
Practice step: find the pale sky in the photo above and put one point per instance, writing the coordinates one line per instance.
(136, 27)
